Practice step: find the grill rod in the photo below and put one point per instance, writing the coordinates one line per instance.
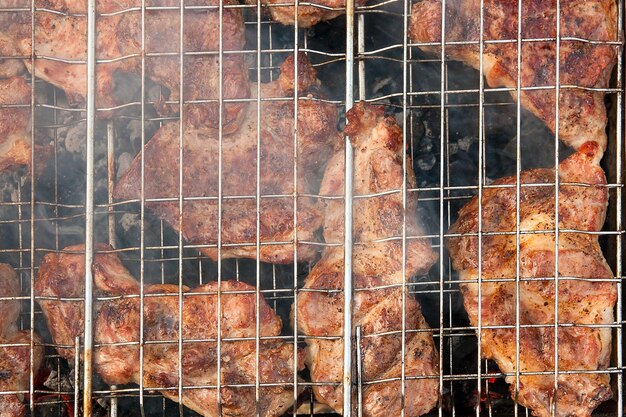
(89, 207)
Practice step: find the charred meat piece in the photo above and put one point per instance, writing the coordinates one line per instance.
(61, 40)
(583, 297)
(15, 356)
(307, 16)
(378, 169)
(317, 134)
(117, 327)
(582, 113)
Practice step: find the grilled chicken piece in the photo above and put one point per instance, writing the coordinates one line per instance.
(11, 62)
(15, 129)
(582, 114)
(14, 360)
(316, 135)
(378, 169)
(117, 325)
(64, 37)
(319, 11)
(15, 133)
(583, 300)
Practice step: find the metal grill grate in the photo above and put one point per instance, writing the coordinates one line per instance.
(461, 134)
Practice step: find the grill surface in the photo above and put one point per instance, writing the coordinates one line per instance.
(461, 135)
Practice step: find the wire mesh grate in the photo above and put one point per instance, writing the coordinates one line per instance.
(461, 134)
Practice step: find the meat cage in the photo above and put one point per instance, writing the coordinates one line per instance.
(460, 132)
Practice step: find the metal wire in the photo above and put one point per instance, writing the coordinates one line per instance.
(157, 252)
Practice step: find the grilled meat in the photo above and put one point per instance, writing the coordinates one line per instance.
(583, 298)
(15, 134)
(582, 114)
(15, 129)
(378, 169)
(118, 322)
(63, 37)
(319, 11)
(14, 360)
(316, 126)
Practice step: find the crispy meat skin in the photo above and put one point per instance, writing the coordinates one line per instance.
(119, 35)
(378, 168)
(316, 135)
(582, 113)
(14, 360)
(307, 15)
(117, 321)
(580, 302)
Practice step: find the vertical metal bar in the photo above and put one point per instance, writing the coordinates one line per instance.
(557, 90)
(296, 47)
(442, 127)
(89, 205)
(488, 399)
(220, 192)
(31, 373)
(142, 208)
(181, 138)
(518, 169)
(481, 140)
(362, 96)
(359, 371)
(56, 169)
(361, 57)
(111, 222)
(405, 55)
(444, 88)
(347, 237)
(619, 178)
(111, 183)
(76, 374)
(257, 324)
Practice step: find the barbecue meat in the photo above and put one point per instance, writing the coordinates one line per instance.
(308, 16)
(316, 135)
(587, 301)
(118, 321)
(14, 360)
(15, 133)
(10, 67)
(582, 114)
(377, 169)
(119, 40)
(15, 128)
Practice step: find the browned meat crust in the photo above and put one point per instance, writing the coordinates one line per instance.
(582, 114)
(589, 301)
(316, 135)
(117, 326)
(378, 168)
(119, 36)
(308, 16)
(14, 360)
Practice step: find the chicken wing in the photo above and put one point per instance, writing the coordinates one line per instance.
(317, 133)
(117, 324)
(588, 65)
(585, 300)
(15, 352)
(377, 275)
